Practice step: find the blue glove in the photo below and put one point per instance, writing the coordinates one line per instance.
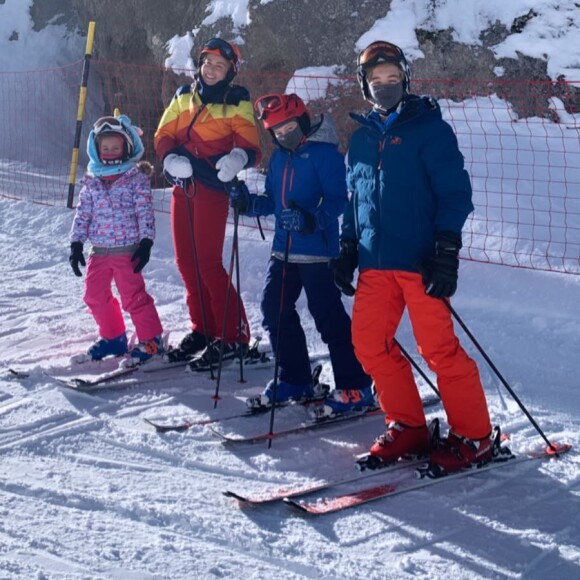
(294, 219)
(240, 197)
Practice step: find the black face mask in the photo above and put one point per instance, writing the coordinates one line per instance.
(291, 140)
(387, 97)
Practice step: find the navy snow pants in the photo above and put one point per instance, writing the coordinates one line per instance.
(330, 317)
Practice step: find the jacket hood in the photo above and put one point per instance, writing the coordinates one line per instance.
(95, 167)
(324, 130)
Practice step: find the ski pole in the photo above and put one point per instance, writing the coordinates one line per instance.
(499, 376)
(239, 293)
(417, 367)
(216, 396)
(277, 355)
(188, 199)
(236, 244)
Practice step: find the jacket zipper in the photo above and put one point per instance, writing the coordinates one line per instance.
(381, 148)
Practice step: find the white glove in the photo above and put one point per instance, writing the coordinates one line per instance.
(177, 166)
(231, 164)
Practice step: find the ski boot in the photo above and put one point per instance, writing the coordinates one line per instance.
(456, 453)
(211, 355)
(102, 348)
(143, 351)
(400, 442)
(287, 393)
(191, 345)
(341, 401)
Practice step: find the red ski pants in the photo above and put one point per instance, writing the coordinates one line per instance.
(379, 303)
(198, 223)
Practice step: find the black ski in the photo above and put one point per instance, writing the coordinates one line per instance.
(253, 412)
(15, 374)
(310, 425)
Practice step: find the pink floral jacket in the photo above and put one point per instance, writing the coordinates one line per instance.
(115, 214)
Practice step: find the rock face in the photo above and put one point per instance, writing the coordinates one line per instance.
(281, 37)
(284, 36)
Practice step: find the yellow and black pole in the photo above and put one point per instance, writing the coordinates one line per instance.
(80, 115)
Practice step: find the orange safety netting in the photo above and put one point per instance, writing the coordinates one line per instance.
(520, 140)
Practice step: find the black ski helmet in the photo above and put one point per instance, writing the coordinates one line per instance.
(227, 50)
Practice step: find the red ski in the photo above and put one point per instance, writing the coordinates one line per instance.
(364, 462)
(329, 504)
(295, 491)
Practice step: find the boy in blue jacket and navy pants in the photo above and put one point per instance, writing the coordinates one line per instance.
(306, 190)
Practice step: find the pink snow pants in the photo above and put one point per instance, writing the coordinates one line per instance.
(101, 272)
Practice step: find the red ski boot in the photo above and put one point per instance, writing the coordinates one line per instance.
(457, 453)
(400, 441)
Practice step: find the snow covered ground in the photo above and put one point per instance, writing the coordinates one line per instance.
(89, 490)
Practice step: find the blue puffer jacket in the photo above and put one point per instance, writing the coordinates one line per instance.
(314, 178)
(407, 182)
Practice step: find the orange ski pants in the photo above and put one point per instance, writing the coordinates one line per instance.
(380, 300)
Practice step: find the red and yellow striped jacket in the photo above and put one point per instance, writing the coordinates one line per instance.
(206, 132)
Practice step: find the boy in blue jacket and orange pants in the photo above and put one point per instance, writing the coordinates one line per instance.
(409, 198)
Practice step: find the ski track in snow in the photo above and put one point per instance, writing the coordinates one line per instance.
(89, 490)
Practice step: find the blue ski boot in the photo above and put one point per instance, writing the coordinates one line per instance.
(108, 347)
(342, 401)
(145, 350)
(288, 393)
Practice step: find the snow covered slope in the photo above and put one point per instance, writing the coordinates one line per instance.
(89, 490)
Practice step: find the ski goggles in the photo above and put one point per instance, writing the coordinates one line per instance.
(269, 104)
(108, 125)
(220, 47)
(380, 51)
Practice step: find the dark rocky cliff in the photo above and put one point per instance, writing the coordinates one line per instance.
(282, 36)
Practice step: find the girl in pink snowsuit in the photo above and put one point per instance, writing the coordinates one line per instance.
(115, 213)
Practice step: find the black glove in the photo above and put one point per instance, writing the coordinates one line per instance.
(440, 271)
(239, 197)
(295, 219)
(142, 254)
(76, 257)
(344, 266)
